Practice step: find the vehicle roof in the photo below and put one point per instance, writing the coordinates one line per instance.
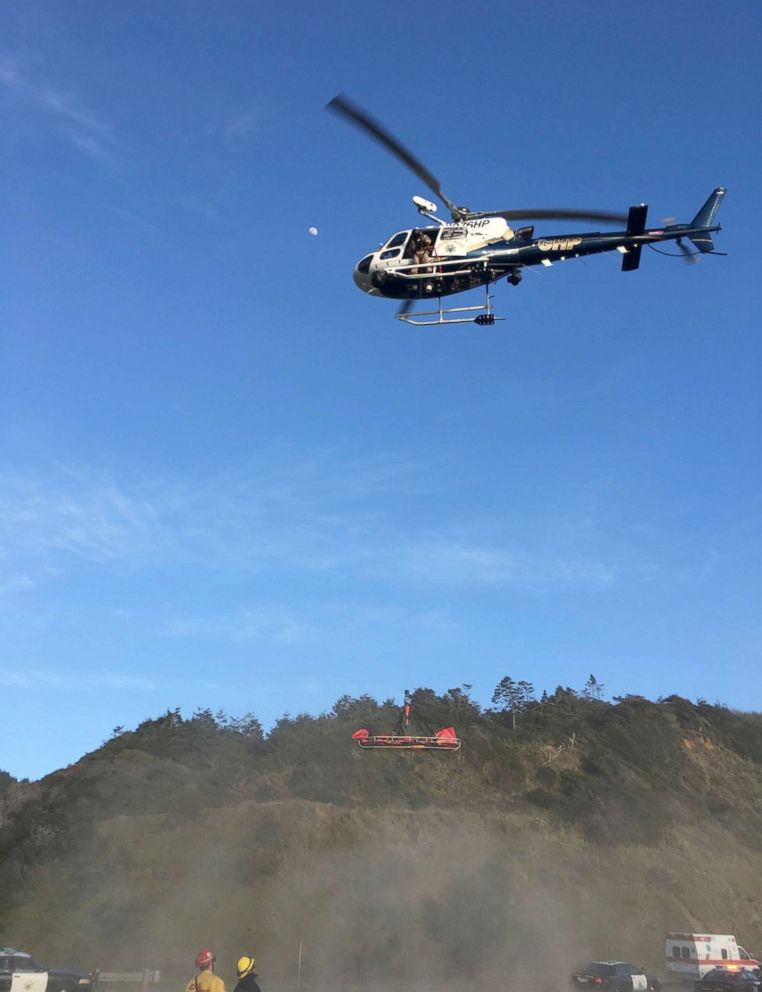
(700, 936)
(611, 962)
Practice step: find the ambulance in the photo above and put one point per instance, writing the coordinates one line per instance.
(691, 955)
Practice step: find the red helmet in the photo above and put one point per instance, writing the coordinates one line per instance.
(205, 957)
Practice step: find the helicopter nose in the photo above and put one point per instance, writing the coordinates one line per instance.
(361, 274)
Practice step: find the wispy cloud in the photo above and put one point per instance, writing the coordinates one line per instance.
(323, 515)
(244, 626)
(9, 73)
(95, 521)
(309, 624)
(16, 583)
(59, 105)
(308, 512)
(74, 681)
(466, 563)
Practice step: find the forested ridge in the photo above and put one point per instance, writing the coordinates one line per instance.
(607, 822)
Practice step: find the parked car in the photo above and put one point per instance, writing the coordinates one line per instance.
(731, 978)
(614, 976)
(19, 972)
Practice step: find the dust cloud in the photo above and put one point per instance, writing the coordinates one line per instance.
(414, 897)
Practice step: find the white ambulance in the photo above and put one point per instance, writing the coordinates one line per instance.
(691, 955)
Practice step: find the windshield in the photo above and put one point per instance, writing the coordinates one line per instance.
(398, 240)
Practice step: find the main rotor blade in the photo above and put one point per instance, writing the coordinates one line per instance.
(341, 105)
(545, 214)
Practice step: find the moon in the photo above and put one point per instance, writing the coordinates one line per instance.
(313, 231)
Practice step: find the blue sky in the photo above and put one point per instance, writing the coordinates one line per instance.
(229, 479)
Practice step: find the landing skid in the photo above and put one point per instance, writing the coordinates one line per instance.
(485, 315)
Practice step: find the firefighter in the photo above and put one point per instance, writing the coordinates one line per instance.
(247, 977)
(205, 980)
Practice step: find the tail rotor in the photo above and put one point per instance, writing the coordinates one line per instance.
(690, 257)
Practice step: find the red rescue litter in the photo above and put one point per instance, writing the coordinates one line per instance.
(445, 739)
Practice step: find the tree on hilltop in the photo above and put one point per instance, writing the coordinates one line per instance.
(527, 691)
(509, 695)
(593, 688)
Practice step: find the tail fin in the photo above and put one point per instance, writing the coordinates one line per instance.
(636, 224)
(705, 218)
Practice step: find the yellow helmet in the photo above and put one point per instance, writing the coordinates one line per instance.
(245, 965)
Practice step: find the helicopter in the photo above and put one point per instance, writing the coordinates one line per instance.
(477, 248)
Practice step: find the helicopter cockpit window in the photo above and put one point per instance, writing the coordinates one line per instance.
(398, 240)
(364, 265)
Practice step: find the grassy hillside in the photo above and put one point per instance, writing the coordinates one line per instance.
(588, 829)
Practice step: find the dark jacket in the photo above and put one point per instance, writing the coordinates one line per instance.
(248, 984)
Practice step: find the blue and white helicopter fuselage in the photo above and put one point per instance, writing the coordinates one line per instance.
(477, 252)
(478, 248)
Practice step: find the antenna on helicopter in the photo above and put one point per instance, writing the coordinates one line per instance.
(428, 209)
(424, 205)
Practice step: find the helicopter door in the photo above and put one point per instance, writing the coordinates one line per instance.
(393, 252)
(452, 241)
